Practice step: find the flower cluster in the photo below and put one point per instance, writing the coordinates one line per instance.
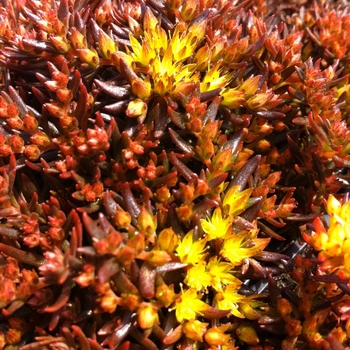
(333, 242)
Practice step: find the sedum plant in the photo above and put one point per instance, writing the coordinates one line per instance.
(174, 174)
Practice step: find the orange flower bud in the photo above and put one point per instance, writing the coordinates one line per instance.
(88, 56)
(109, 301)
(12, 110)
(64, 95)
(55, 109)
(263, 145)
(194, 330)
(77, 39)
(5, 150)
(284, 307)
(122, 219)
(40, 139)
(16, 143)
(167, 240)
(125, 255)
(163, 194)
(32, 152)
(131, 301)
(87, 277)
(13, 336)
(223, 160)
(15, 123)
(158, 257)
(216, 337)
(60, 43)
(30, 123)
(141, 88)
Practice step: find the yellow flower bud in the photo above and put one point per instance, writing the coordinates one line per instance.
(247, 334)
(122, 219)
(165, 294)
(136, 108)
(147, 316)
(147, 222)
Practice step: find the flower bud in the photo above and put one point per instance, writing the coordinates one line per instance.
(131, 301)
(16, 143)
(167, 240)
(5, 150)
(163, 194)
(40, 139)
(122, 219)
(189, 10)
(64, 95)
(263, 145)
(223, 160)
(216, 337)
(194, 330)
(125, 255)
(141, 88)
(158, 257)
(109, 301)
(15, 123)
(106, 44)
(146, 222)
(77, 39)
(60, 43)
(13, 336)
(247, 334)
(147, 316)
(32, 152)
(88, 56)
(30, 123)
(165, 294)
(174, 4)
(284, 307)
(136, 108)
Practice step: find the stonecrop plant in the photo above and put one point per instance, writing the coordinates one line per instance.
(174, 174)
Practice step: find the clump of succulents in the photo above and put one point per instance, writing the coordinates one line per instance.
(174, 174)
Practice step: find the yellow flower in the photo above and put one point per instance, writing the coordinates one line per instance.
(334, 243)
(197, 277)
(216, 226)
(240, 246)
(233, 98)
(191, 252)
(229, 299)
(161, 60)
(220, 274)
(188, 305)
(235, 201)
(214, 78)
